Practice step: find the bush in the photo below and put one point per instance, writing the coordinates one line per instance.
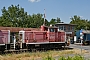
(78, 58)
(63, 58)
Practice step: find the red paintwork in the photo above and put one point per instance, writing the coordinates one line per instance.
(51, 36)
(3, 36)
(35, 36)
(44, 36)
(61, 36)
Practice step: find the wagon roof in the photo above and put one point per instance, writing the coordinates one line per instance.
(86, 31)
(17, 29)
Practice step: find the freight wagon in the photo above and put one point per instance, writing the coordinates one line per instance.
(46, 38)
(4, 39)
(85, 38)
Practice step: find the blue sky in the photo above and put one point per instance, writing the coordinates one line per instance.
(63, 9)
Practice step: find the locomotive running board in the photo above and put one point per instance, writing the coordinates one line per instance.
(2, 44)
(39, 43)
(56, 42)
(44, 42)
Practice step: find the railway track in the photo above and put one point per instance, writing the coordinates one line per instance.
(33, 50)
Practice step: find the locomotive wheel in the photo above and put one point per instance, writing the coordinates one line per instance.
(33, 50)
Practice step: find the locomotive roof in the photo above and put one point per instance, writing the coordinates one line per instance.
(50, 26)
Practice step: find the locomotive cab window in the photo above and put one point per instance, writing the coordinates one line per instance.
(52, 30)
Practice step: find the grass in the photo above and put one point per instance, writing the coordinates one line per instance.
(42, 55)
(77, 57)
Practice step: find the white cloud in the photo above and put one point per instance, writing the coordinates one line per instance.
(34, 0)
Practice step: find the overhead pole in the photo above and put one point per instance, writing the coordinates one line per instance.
(44, 17)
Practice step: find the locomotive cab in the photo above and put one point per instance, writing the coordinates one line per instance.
(53, 29)
(52, 33)
(50, 29)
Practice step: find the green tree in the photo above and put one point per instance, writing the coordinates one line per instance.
(5, 18)
(58, 20)
(37, 20)
(52, 21)
(81, 23)
(15, 16)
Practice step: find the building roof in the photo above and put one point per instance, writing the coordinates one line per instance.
(64, 24)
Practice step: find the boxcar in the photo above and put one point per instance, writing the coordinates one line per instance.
(4, 39)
